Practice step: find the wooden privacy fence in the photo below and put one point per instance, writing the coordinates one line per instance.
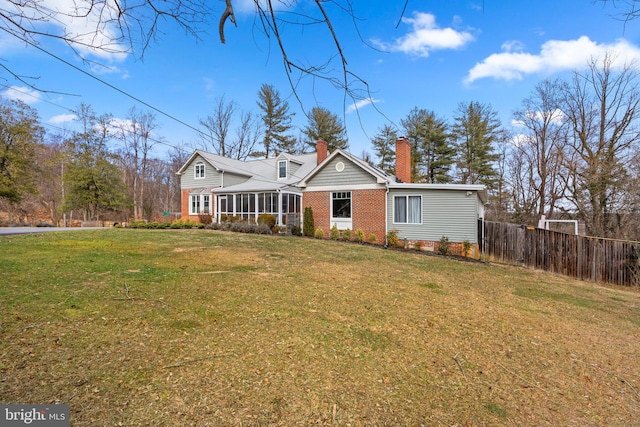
(586, 258)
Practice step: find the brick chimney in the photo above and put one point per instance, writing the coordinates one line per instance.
(403, 159)
(322, 150)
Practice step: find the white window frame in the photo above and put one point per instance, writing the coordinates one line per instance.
(342, 195)
(406, 206)
(200, 204)
(286, 169)
(199, 171)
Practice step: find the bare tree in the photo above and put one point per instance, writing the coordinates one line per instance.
(537, 154)
(217, 127)
(602, 107)
(136, 134)
(248, 135)
(630, 8)
(95, 28)
(50, 160)
(159, 189)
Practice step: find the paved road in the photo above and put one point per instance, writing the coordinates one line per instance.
(26, 230)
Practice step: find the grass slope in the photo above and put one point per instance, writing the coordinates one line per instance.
(192, 327)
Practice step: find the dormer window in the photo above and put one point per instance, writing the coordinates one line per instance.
(282, 169)
(199, 171)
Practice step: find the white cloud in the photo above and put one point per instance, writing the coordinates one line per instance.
(554, 117)
(24, 94)
(88, 28)
(426, 36)
(120, 125)
(555, 56)
(512, 46)
(361, 104)
(62, 118)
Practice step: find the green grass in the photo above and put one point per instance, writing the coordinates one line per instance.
(192, 327)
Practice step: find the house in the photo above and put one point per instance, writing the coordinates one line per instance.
(341, 189)
(347, 192)
(218, 186)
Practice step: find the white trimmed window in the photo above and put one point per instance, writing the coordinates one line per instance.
(282, 169)
(199, 170)
(407, 209)
(199, 204)
(341, 204)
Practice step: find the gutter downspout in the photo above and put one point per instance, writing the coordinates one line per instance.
(386, 214)
(279, 191)
(221, 186)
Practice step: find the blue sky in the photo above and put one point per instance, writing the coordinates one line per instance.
(441, 53)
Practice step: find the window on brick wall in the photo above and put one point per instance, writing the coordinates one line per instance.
(407, 209)
(199, 204)
(341, 204)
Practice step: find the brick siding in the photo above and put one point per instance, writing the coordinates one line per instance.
(367, 211)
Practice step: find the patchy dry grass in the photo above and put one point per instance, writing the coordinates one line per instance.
(182, 327)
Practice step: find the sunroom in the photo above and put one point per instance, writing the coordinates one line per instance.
(285, 206)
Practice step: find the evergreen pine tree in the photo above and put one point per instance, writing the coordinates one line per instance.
(276, 119)
(325, 125)
(384, 148)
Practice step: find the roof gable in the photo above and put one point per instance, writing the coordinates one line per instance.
(375, 173)
(260, 172)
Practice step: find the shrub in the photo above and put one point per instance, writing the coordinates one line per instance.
(296, 231)
(444, 246)
(308, 225)
(267, 219)
(205, 218)
(240, 227)
(372, 238)
(417, 245)
(466, 248)
(224, 218)
(334, 233)
(262, 229)
(184, 223)
(392, 239)
(319, 233)
(359, 235)
(346, 234)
